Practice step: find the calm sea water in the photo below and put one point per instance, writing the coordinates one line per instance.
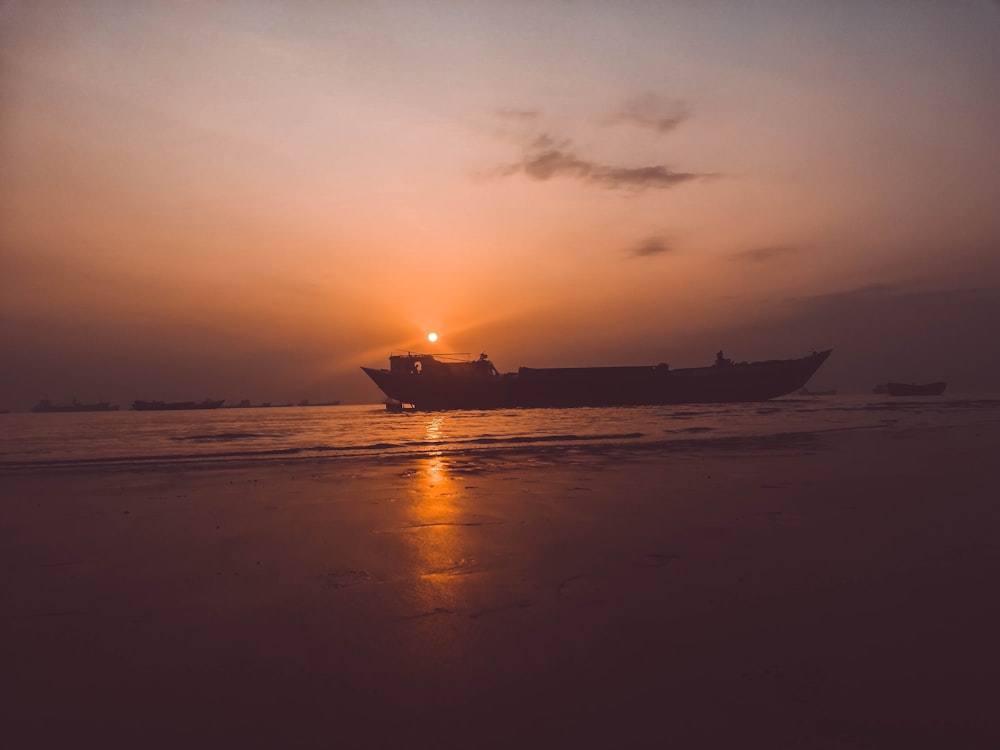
(128, 439)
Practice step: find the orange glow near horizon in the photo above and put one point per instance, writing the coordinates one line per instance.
(185, 183)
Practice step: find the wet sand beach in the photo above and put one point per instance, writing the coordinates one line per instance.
(821, 591)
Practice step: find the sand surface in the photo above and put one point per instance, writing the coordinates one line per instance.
(837, 591)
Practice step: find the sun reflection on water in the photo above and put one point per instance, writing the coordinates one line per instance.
(440, 544)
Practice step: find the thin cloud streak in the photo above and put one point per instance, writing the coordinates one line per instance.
(763, 254)
(652, 113)
(650, 247)
(517, 114)
(548, 157)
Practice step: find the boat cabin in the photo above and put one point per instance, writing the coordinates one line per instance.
(416, 364)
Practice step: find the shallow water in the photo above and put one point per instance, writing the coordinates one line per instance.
(131, 439)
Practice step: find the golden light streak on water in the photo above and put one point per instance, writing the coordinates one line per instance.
(439, 532)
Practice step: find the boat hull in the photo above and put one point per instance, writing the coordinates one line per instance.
(45, 407)
(175, 405)
(600, 386)
(913, 389)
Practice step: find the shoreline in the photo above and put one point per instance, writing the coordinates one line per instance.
(54, 445)
(520, 448)
(830, 591)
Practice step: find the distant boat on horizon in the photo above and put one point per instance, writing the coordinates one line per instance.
(914, 389)
(175, 405)
(246, 404)
(807, 392)
(46, 406)
(428, 382)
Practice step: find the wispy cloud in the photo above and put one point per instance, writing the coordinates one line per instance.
(653, 113)
(649, 247)
(518, 114)
(547, 157)
(762, 254)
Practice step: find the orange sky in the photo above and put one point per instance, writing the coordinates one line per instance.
(250, 199)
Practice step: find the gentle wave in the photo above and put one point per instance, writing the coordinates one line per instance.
(454, 447)
(489, 440)
(132, 439)
(224, 437)
(491, 450)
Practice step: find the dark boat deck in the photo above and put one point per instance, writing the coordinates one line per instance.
(427, 383)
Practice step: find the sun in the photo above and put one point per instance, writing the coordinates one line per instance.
(432, 337)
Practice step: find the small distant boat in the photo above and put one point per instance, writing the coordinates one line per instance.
(807, 392)
(307, 402)
(913, 389)
(46, 406)
(175, 405)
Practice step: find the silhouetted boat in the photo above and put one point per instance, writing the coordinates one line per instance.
(429, 382)
(175, 405)
(912, 389)
(807, 392)
(45, 405)
(396, 406)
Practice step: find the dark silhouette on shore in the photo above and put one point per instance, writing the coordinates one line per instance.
(175, 405)
(913, 389)
(47, 406)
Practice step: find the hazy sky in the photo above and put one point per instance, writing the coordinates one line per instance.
(252, 199)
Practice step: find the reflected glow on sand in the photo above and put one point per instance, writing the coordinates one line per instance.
(441, 549)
